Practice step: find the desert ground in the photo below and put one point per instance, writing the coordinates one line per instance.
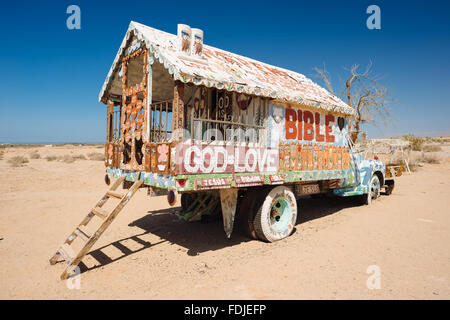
(147, 253)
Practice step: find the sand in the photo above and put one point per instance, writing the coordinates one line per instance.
(147, 253)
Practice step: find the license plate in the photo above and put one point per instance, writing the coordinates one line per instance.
(309, 189)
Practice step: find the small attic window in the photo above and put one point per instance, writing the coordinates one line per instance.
(135, 70)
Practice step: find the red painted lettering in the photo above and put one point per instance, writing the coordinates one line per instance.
(328, 128)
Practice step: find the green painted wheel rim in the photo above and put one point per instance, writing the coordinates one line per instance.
(280, 214)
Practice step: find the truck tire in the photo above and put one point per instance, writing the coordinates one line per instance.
(389, 187)
(186, 201)
(276, 215)
(247, 210)
(374, 190)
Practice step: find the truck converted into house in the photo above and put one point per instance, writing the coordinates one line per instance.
(222, 133)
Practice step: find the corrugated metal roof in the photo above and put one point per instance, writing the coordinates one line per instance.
(226, 70)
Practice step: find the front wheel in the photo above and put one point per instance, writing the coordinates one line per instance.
(374, 190)
(277, 215)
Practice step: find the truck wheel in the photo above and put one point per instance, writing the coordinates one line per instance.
(389, 188)
(277, 215)
(186, 200)
(374, 190)
(248, 204)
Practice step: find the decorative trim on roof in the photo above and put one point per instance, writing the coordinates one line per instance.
(228, 71)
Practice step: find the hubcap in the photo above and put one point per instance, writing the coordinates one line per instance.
(280, 214)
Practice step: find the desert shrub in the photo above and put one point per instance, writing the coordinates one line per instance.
(79, 157)
(1, 154)
(67, 158)
(51, 158)
(415, 160)
(431, 148)
(416, 142)
(35, 155)
(97, 156)
(17, 161)
(432, 159)
(418, 159)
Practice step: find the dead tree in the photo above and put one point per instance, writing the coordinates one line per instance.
(363, 92)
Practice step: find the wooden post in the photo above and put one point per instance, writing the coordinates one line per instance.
(109, 114)
(149, 98)
(178, 109)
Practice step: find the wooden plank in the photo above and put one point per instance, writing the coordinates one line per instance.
(83, 234)
(114, 194)
(100, 212)
(201, 211)
(66, 252)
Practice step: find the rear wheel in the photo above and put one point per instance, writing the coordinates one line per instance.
(277, 215)
(186, 200)
(248, 205)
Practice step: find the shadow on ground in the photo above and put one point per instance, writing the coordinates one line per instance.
(198, 237)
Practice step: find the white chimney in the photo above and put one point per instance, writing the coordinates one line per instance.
(197, 43)
(184, 39)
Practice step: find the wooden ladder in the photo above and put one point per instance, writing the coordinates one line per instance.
(66, 251)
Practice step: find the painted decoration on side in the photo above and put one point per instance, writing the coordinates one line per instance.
(292, 124)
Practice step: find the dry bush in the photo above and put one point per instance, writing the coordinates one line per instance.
(1, 154)
(432, 159)
(79, 157)
(418, 159)
(416, 142)
(67, 158)
(415, 160)
(35, 155)
(51, 158)
(97, 156)
(17, 161)
(431, 148)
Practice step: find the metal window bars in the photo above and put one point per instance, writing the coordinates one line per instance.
(161, 121)
(206, 128)
(213, 127)
(117, 123)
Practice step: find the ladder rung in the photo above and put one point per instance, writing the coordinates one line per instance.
(65, 251)
(114, 194)
(82, 234)
(100, 212)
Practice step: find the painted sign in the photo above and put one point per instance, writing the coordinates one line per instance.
(292, 124)
(276, 179)
(212, 183)
(249, 181)
(225, 159)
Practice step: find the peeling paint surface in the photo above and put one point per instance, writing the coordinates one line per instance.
(362, 173)
(229, 71)
(228, 200)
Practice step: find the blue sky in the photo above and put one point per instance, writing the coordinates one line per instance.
(52, 75)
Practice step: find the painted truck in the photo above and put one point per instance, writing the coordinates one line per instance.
(225, 133)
